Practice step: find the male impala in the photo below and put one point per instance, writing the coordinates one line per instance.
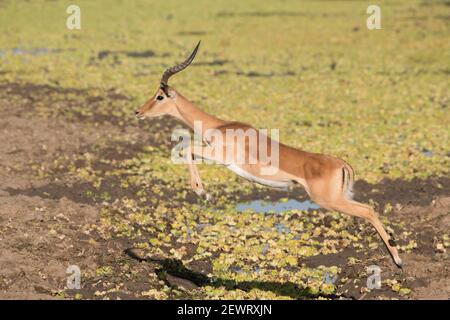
(327, 180)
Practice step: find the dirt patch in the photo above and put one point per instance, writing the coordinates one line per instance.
(26, 100)
(414, 192)
(27, 90)
(46, 218)
(38, 244)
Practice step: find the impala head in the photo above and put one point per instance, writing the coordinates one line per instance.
(163, 101)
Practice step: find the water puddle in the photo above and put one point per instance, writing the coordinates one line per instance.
(427, 153)
(281, 228)
(36, 52)
(33, 52)
(261, 206)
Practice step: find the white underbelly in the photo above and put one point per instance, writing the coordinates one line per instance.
(266, 182)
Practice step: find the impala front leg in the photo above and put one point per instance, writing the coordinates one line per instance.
(194, 176)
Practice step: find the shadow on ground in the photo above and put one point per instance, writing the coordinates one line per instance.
(175, 274)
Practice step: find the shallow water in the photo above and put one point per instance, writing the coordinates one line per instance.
(281, 228)
(32, 52)
(427, 153)
(261, 206)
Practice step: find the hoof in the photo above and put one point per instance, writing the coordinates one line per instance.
(208, 197)
(398, 262)
(200, 192)
(205, 196)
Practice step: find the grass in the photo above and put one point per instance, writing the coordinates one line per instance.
(378, 99)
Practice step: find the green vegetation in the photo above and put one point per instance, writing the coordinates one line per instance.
(378, 99)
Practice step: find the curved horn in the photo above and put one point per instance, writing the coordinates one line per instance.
(177, 68)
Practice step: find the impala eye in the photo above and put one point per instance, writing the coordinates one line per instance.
(159, 97)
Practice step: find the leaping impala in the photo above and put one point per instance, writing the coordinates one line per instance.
(327, 180)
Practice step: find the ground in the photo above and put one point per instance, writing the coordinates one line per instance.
(82, 182)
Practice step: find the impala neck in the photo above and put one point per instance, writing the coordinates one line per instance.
(188, 113)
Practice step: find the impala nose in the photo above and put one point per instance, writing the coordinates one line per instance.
(139, 115)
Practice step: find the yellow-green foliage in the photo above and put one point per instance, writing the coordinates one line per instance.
(378, 99)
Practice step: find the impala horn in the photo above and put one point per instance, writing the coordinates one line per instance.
(177, 68)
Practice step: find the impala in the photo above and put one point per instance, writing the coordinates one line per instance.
(327, 180)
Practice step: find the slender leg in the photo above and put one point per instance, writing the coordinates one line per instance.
(361, 210)
(194, 176)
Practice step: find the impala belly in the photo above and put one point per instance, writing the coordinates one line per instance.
(266, 182)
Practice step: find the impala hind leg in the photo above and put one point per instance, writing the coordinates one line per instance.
(364, 211)
(330, 191)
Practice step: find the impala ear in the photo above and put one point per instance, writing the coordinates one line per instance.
(171, 93)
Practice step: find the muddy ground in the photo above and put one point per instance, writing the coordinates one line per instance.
(47, 222)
